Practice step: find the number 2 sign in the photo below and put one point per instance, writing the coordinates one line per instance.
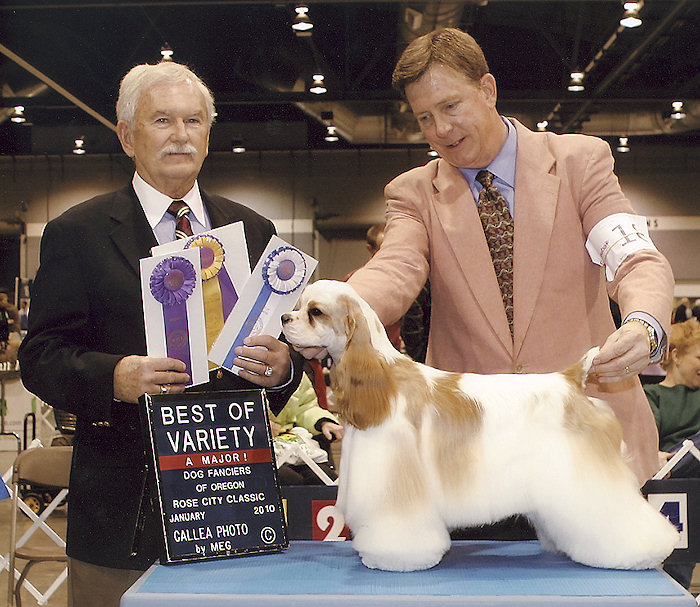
(328, 523)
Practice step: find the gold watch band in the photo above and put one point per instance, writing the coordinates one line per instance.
(653, 340)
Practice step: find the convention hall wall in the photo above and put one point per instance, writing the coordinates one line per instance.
(323, 201)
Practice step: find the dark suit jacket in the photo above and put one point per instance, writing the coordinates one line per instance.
(86, 314)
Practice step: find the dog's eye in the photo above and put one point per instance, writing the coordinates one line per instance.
(315, 312)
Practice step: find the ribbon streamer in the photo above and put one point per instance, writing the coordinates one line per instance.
(283, 272)
(218, 291)
(172, 281)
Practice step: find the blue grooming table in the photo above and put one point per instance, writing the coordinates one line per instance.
(474, 573)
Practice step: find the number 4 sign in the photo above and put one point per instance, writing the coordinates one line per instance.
(675, 507)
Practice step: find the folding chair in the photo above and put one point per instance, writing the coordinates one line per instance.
(48, 467)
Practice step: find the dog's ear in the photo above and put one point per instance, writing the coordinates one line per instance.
(356, 325)
(361, 380)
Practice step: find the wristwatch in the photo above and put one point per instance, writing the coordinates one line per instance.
(653, 340)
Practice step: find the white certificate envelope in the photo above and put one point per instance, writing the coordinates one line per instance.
(225, 270)
(273, 289)
(173, 310)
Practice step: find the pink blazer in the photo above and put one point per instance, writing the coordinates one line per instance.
(564, 185)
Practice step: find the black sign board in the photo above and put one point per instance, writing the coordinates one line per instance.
(215, 475)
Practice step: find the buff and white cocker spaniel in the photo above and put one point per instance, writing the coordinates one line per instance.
(426, 451)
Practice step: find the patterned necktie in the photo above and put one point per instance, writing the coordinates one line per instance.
(498, 229)
(180, 211)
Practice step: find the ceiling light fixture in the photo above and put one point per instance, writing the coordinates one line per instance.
(331, 130)
(623, 145)
(166, 52)
(18, 115)
(576, 82)
(79, 148)
(331, 135)
(433, 153)
(631, 16)
(678, 112)
(318, 87)
(237, 146)
(542, 125)
(302, 25)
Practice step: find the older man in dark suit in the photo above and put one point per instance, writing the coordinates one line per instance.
(85, 351)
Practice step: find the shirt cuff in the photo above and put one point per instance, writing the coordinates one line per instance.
(289, 381)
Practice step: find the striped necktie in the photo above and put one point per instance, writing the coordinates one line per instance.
(180, 211)
(498, 229)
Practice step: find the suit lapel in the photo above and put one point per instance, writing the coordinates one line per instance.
(536, 196)
(459, 218)
(217, 216)
(131, 232)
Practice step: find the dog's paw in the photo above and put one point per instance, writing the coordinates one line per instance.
(400, 562)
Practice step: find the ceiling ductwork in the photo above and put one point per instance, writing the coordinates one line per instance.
(398, 125)
(640, 124)
(260, 71)
(394, 126)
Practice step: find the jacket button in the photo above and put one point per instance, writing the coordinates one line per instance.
(518, 368)
(219, 374)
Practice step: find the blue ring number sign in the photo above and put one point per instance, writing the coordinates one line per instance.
(215, 475)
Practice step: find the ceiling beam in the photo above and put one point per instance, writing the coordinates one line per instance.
(55, 86)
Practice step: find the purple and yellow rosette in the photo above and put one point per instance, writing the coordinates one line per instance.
(283, 272)
(218, 291)
(172, 281)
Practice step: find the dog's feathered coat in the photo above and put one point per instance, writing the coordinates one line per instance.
(427, 450)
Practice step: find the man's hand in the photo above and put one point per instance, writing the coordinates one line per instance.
(135, 376)
(264, 361)
(623, 355)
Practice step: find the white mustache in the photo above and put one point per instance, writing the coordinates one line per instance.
(174, 148)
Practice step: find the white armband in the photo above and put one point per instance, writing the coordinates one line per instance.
(615, 237)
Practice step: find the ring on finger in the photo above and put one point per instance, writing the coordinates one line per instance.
(163, 389)
(268, 371)
(627, 370)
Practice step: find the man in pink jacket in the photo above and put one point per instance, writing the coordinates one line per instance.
(576, 242)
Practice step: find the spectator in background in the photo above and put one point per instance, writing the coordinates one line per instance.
(696, 310)
(675, 402)
(23, 316)
(4, 323)
(682, 312)
(9, 323)
(303, 411)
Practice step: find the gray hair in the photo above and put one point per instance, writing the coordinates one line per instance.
(145, 76)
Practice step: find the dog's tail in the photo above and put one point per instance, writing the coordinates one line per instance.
(578, 373)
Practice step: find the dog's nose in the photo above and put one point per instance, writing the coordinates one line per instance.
(286, 318)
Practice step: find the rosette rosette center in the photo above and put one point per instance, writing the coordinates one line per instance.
(211, 255)
(172, 281)
(285, 270)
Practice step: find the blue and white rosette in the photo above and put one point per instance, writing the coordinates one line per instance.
(171, 283)
(283, 272)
